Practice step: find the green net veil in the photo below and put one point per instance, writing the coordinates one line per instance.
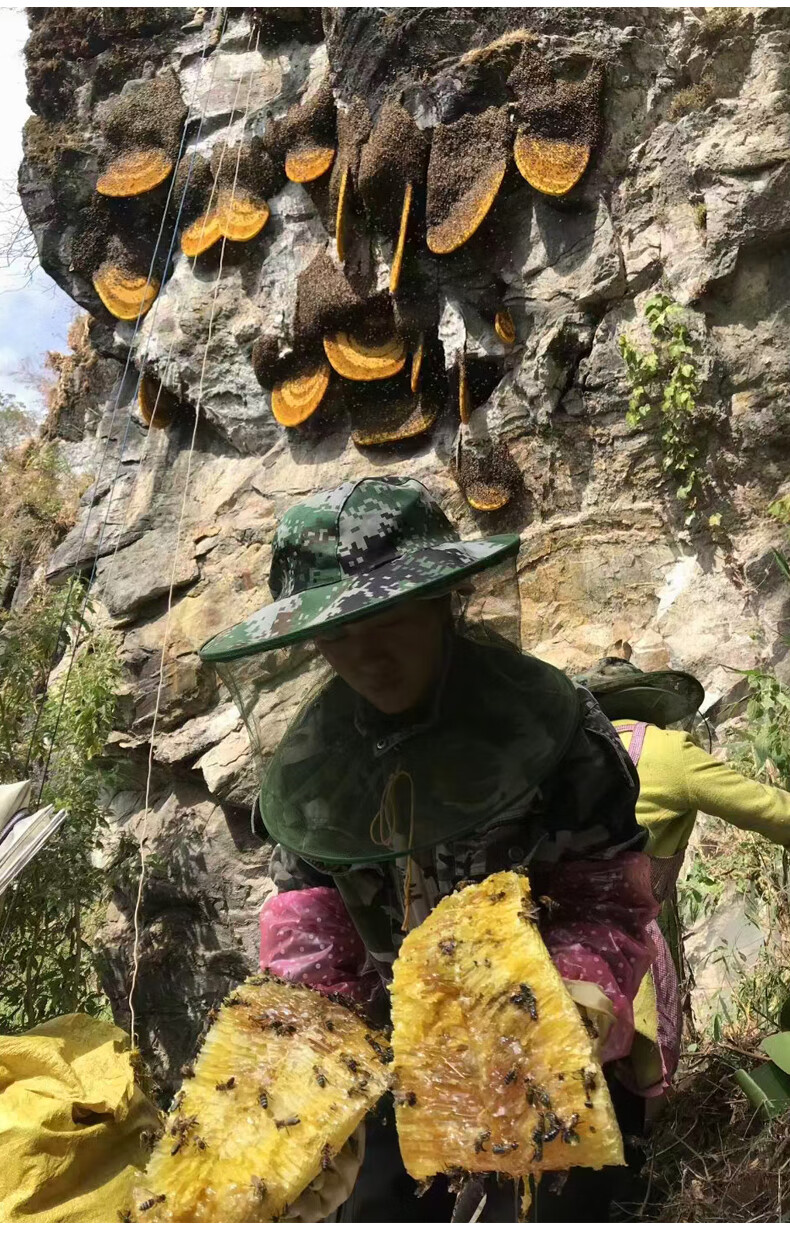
(342, 784)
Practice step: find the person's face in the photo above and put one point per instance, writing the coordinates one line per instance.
(392, 660)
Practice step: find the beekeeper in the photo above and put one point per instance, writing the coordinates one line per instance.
(430, 750)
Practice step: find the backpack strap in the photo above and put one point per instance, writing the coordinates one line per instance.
(637, 740)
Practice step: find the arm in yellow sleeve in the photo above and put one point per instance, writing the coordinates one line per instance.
(717, 789)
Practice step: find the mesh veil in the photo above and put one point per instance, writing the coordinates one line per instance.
(342, 784)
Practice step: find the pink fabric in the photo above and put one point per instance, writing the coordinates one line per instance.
(597, 929)
(637, 740)
(307, 937)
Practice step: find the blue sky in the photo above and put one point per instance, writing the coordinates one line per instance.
(34, 315)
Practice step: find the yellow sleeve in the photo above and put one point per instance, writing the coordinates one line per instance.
(717, 789)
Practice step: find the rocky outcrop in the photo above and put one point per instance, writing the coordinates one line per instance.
(686, 193)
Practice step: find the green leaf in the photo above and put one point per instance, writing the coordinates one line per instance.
(768, 1089)
(778, 1049)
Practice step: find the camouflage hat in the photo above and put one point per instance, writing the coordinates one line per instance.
(351, 552)
(624, 691)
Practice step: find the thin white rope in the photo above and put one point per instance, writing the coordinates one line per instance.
(109, 437)
(164, 368)
(166, 633)
(153, 315)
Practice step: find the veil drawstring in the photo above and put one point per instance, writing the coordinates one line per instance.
(383, 828)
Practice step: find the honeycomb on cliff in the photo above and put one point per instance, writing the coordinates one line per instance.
(390, 411)
(284, 1078)
(485, 473)
(300, 391)
(305, 139)
(266, 360)
(353, 130)
(143, 133)
(325, 299)
(505, 327)
(483, 468)
(225, 198)
(466, 168)
(559, 125)
(123, 283)
(114, 247)
(371, 351)
(393, 163)
(495, 1071)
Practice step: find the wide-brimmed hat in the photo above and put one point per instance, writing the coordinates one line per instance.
(351, 552)
(624, 691)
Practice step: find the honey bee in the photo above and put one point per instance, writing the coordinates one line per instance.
(481, 1140)
(285, 1122)
(147, 1204)
(227, 1086)
(502, 1149)
(326, 1156)
(590, 1084)
(551, 1127)
(526, 998)
(259, 1188)
(384, 1054)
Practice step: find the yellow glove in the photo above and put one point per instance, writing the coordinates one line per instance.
(332, 1186)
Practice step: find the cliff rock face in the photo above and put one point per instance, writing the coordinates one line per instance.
(686, 193)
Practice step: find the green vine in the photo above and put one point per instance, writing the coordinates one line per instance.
(665, 384)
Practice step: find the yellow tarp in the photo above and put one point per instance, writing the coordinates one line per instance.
(71, 1118)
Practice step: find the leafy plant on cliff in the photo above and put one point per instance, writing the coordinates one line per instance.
(665, 384)
(38, 492)
(767, 739)
(46, 964)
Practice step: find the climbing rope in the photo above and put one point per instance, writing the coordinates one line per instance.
(121, 384)
(198, 405)
(165, 366)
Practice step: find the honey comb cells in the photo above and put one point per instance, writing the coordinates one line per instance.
(495, 1069)
(253, 1125)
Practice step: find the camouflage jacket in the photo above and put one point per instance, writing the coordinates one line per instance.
(583, 807)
